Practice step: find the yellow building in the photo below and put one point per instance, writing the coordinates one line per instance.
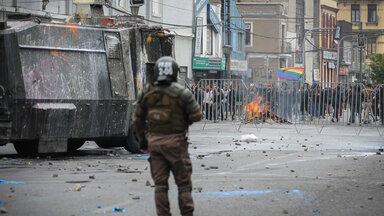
(369, 16)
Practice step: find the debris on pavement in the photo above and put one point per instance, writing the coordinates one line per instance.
(78, 187)
(118, 209)
(248, 138)
(136, 197)
(200, 156)
(127, 170)
(3, 210)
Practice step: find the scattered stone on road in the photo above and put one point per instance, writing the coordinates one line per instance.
(78, 187)
(3, 210)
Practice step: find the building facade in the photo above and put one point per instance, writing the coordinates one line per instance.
(211, 34)
(208, 61)
(236, 32)
(367, 19)
(325, 47)
(266, 32)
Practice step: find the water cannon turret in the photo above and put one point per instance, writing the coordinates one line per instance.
(89, 12)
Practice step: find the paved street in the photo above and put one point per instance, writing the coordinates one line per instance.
(282, 173)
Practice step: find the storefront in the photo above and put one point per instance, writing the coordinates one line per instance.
(239, 69)
(208, 68)
(328, 69)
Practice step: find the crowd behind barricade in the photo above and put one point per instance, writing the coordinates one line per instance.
(291, 102)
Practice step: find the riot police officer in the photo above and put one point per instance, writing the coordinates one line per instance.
(164, 111)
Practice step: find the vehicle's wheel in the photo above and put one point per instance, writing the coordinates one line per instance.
(27, 147)
(132, 144)
(73, 145)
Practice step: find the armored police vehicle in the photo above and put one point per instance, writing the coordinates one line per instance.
(62, 84)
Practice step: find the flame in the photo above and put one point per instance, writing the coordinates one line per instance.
(258, 109)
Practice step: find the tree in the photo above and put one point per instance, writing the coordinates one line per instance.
(377, 66)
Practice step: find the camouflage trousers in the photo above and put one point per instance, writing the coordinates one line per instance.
(170, 153)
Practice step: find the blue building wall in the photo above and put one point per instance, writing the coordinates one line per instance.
(237, 25)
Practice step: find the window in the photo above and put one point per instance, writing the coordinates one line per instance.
(248, 38)
(323, 20)
(371, 46)
(209, 41)
(282, 38)
(372, 13)
(239, 41)
(156, 8)
(355, 13)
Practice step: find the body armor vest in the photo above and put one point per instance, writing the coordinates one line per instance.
(165, 114)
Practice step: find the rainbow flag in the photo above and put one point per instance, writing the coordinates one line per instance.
(290, 73)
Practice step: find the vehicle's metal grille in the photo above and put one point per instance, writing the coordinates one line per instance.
(112, 42)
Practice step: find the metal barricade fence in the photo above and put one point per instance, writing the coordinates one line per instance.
(221, 99)
(291, 102)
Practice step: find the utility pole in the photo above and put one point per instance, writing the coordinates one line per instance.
(229, 38)
(361, 53)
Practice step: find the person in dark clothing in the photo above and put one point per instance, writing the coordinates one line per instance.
(355, 98)
(166, 109)
(216, 102)
(224, 95)
(380, 99)
(196, 90)
(304, 100)
(315, 100)
(236, 99)
(323, 101)
(336, 102)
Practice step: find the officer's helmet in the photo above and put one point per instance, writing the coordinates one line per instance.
(166, 69)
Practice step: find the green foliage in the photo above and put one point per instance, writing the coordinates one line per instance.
(377, 66)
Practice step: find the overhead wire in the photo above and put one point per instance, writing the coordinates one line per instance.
(181, 26)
